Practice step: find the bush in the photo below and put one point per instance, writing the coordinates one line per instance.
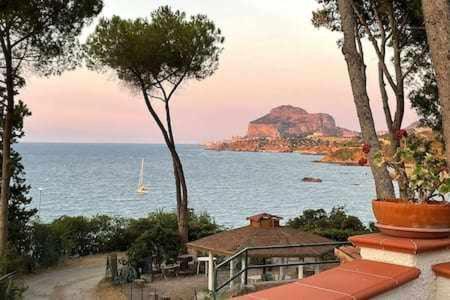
(110, 233)
(76, 233)
(156, 234)
(336, 225)
(48, 247)
(202, 225)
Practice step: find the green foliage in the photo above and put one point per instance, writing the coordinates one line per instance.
(166, 47)
(20, 214)
(425, 100)
(48, 247)
(156, 234)
(76, 234)
(336, 225)
(201, 225)
(110, 233)
(428, 176)
(44, 33)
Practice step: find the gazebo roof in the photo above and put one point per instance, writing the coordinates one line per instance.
(254, 235)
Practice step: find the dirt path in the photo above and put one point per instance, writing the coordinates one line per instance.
(77, 279)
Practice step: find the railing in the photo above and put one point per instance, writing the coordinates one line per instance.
(7, 278)
(244, 254)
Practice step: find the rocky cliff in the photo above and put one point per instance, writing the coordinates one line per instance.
(290, 121)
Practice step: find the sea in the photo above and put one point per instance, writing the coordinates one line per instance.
(90, 179)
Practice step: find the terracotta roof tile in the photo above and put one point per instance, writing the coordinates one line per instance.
(442, 270)
(405, 245)
(230, 241)
(359, 279)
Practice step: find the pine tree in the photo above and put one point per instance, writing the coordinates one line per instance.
(19, 211)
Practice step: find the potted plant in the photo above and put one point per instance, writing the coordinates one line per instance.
(424, 212)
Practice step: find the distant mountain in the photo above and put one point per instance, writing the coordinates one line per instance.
(291, 121)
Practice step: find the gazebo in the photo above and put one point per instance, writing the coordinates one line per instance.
(263, 230)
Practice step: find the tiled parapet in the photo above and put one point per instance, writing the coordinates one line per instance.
(397, 244)
(390, 269)
(418, 253)
(356, 280)
(442, 272)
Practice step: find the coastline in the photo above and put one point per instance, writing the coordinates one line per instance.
(344, 152)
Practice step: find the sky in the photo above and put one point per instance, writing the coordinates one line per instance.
(272, 56)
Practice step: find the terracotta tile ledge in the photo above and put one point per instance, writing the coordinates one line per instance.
(356, 280)
(405, 245)
(442, 270)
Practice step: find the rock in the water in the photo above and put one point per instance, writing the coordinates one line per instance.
(311, 179)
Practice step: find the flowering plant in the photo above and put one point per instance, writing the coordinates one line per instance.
(420, 164)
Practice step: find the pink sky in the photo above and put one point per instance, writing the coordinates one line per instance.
(273, 56)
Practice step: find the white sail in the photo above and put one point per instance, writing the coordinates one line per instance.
(142, 189)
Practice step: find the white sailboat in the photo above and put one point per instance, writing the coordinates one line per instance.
(142, 189)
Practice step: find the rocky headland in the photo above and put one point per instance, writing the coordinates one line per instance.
(288, 121)
(292, 129)
(288, 128)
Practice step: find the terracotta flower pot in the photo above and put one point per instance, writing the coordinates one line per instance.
(413, 220)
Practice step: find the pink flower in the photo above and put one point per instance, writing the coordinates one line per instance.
(401, 133)
(362, 161)
(366, 148)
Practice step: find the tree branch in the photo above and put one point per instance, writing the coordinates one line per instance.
(375, 45)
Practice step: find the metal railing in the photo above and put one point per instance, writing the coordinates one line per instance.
(7, 280)
(246, 267)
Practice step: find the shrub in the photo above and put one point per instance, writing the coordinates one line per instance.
(201, 225)
(47, 247)
(420, 165)
(156, 234)
(76, 234)
(110, 233)
(336, 225)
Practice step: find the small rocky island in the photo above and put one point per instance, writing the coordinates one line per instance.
(288, 128)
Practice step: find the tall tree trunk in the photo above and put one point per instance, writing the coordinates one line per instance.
(399, 98)
(6, 156)
(356, 70)
(437, 24)
(182, 204)
(180, 181)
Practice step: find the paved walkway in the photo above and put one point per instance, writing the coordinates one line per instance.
(76, 280)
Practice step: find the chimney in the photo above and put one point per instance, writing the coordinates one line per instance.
(264, 220)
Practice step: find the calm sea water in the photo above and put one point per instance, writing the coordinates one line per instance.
(89, 179)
